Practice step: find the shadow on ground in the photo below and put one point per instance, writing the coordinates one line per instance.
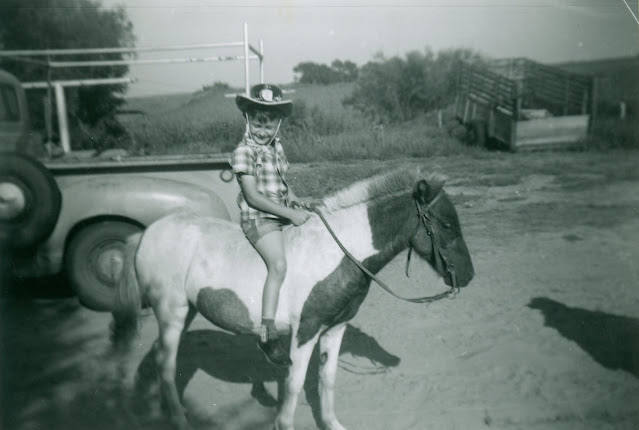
(55, 373)
(611, 340)
(236, 359)
(47, 287)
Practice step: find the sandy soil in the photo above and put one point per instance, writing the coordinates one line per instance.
(545, 337)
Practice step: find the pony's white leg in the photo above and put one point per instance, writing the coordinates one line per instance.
(190, 316)
(171, 317)
(300, 356)
(330, 343)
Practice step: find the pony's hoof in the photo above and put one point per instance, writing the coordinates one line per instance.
(334, 425)
(278, 426)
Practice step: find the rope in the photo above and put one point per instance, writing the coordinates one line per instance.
(425, 299)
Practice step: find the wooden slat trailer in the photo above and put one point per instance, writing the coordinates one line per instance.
(523, 104)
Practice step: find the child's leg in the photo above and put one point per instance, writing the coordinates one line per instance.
(271, 248)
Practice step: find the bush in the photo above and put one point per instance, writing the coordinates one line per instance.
(159, 136)
(312, 120)
(395, 90)
(612, 133)
(32, 24)
(313, 73)
(416, 138)
(107, 133)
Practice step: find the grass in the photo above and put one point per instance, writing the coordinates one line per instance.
(406, 140)
(477, 169)
(320, 129)
(612, 133)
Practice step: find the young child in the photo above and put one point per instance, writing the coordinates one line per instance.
(266, 201)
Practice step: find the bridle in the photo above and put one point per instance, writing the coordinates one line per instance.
(440, 259)
(441, 263)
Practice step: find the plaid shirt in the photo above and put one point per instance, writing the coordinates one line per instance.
(269, 165)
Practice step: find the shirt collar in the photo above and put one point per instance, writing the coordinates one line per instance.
(250, 142)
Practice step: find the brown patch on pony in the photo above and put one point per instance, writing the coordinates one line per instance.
(333, 300)
(224, 309)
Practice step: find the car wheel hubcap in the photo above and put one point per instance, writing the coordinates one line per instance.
(12, 201)
(108, 264)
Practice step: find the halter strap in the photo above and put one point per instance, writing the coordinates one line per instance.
(442, 265)
(426, 299)
(422, 214)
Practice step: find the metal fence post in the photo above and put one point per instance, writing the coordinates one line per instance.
(63, 125)
(261, 61)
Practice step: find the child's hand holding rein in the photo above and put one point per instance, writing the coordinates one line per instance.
(299, 216)
(308, 204)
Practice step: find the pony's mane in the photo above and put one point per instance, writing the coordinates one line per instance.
(379, 186)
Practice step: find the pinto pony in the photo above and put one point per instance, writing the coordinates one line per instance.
(186, 263)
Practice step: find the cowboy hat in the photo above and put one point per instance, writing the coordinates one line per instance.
(264, 96)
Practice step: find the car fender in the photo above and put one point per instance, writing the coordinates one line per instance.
(139, 199)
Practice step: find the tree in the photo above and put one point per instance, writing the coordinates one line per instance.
(313, 73)
(398, 89)
(64, 24)
(346, 70)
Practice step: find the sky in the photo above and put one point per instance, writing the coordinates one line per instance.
(294, 31)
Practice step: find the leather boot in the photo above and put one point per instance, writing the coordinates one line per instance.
(275, 352)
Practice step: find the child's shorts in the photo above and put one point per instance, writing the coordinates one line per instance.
(255, 229)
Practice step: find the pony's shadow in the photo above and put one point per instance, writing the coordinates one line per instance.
(611, 340)
(236, 359)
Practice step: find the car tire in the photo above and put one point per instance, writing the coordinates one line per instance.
(30, 201)
(94, 259)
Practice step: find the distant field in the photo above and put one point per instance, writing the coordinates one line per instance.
(214, 104)
(321, 128)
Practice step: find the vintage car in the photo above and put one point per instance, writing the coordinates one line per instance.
(72, 214)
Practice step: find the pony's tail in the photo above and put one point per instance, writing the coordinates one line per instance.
(128, 300)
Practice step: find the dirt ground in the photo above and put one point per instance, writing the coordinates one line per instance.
(545, 337)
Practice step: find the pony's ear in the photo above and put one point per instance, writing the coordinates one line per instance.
(422, 192)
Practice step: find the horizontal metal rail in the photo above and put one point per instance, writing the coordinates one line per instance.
(78, 83)
(26, 60)
(118, 50)
(27, 56)
(52, 52)
(100, 63)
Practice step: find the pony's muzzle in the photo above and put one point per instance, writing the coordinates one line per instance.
(458, 267)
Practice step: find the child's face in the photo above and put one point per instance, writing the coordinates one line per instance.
(263, 130)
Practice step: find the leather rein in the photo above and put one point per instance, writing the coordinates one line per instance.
(440, 260)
